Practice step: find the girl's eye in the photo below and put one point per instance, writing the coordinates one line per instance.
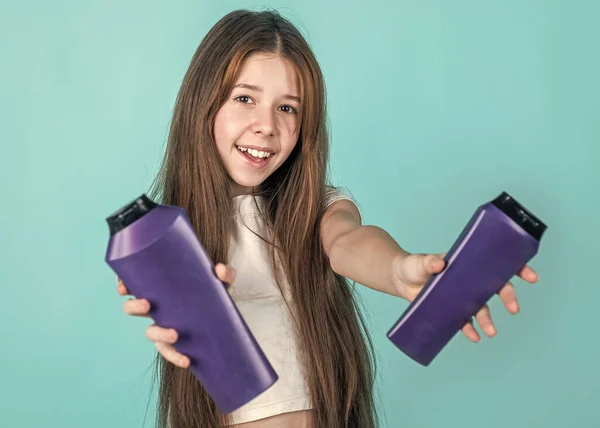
(288, 109)
(243, 99)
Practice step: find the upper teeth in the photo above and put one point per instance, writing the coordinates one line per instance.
(254, 152)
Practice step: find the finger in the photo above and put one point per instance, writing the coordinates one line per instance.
(171, 355)
(121, 289)
(470, 332)
(484, 318)
(434, 263)
(528, 274)
(509, 298)
(417, 268)
(225, 273)
(155, 333)
(136, 307)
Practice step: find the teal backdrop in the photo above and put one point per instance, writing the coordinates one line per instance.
(435, 108)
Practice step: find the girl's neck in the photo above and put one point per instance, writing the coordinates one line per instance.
(237, 190)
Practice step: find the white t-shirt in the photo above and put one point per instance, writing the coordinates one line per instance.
(261, 304)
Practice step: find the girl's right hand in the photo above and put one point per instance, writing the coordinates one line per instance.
(165, 338)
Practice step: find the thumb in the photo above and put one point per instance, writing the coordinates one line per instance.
(417, 268)
(225, 273)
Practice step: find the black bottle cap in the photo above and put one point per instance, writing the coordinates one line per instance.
(520, 215)
(130, 213)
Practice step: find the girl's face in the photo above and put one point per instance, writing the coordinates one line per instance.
(258, 126)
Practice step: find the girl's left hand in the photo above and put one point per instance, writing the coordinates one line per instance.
(412, 272)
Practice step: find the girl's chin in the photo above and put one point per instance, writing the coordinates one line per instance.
(242, 187)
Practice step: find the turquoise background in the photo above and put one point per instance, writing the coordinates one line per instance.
(435, 108)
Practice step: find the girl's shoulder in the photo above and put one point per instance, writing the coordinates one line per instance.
(334, 194)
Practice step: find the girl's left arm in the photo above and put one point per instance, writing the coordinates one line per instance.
(365, 254)
(370, 256)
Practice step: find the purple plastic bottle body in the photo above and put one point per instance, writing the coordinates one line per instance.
(158, 256)
(499, 239)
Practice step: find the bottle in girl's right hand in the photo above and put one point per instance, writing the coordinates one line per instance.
(155, 251)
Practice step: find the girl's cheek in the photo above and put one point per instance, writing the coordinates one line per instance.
(240, 117)
(289, 125)
(294, 130)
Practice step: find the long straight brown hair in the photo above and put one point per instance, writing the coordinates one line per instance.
(330, 327)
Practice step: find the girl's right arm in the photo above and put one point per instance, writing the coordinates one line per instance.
(165, 338)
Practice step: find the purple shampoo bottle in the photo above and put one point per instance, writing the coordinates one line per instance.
(500, 239)
(155, 251)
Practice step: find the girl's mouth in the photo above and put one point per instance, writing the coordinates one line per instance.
(255, 157)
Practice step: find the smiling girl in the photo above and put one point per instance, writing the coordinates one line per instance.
(247, 159)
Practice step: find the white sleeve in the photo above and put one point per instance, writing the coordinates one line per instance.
(333, 194)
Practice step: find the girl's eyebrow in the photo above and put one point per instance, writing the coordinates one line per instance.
(259, 89)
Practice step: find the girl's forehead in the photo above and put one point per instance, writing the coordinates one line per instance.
(269, 72)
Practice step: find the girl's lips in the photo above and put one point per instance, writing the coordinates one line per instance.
(257, 148)
(255, 162)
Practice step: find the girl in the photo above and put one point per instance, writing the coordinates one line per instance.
(247, 159)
